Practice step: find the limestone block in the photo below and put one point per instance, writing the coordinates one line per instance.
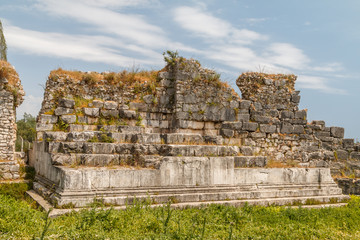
(250, 126)
(63, 111)
(110, 113)
(299, 129)
(267, 128)
(342, 155)
(348, 143)
(245, 104)
(287, 114)
(246, 150)
(138, 106)
(250, 161)
(243, 117)
(228, 133)
(148, 99)
(55, 136)
(92, 112)
(287, 128)
(258, 135)
(337, 132)
(110, 105)
(232, 125)
(261, 119)
(68, 118)
(128, 114)
(44, 127)
(301, 114)
(98, 103)
(66, 103)
(48, 119)
(355, 155)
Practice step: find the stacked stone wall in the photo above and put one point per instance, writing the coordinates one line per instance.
(11, 95)
(186, 98)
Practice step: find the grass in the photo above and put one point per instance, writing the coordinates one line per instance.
(7, 71)
(19, 220)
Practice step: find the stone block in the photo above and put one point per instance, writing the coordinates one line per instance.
(228, 133)
(110, 105)
(243, 117)
(287, 114)
(44, 127)
(287, 128)
(246, 151)
(110, 113)
(148, 99)
(92, 112)
(249, 161)
(232, 125)
(98, 103)
(355, 156)
(299, 129)
(128, 114)
(267, 128)
(250, 126)
(258, 135)
(245, 104)
(66, 103)
(63, 111)
(337, 132)
(348, 143)
(301, 114)
(261, 119)
(341, 155)
(48, 119)
(68, 118)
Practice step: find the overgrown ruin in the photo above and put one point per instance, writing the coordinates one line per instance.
(11, 96)
(181, 134)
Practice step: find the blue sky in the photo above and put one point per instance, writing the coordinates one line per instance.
(316, 40)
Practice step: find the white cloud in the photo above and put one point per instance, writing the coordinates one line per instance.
(130, 28)
(317, 83)
(247, 50)
(31, 105)
(286, 55)
(207, 26)
(82, 47)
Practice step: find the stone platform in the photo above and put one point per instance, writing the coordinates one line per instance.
(180, 179)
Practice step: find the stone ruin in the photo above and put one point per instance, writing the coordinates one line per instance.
(181, 134)
(11, 96)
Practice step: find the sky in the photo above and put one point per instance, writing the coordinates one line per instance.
(316, 40)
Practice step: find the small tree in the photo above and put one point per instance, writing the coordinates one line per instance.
(26, 130)
(3, 47)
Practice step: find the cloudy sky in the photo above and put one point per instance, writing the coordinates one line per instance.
(316, 40)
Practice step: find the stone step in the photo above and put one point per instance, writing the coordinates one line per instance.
(324, 202)
(183, 195)
(131, 137)
(142, 149)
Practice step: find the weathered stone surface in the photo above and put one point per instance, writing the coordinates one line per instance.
(250, 126)
(267, 128)
(227, 133)
(92, 112)
(68, 118)
(110, 105)
(66, 103)
(348, 143)
(63, 111)
(110, 113)
(337, 132)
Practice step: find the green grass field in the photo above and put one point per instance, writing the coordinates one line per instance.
(19, 219)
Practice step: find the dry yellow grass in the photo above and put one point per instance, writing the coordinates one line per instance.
(7, 71)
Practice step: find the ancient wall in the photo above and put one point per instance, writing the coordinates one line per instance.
(186, 98)
(11, 95)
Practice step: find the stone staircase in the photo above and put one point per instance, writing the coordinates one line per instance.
(184, 168)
